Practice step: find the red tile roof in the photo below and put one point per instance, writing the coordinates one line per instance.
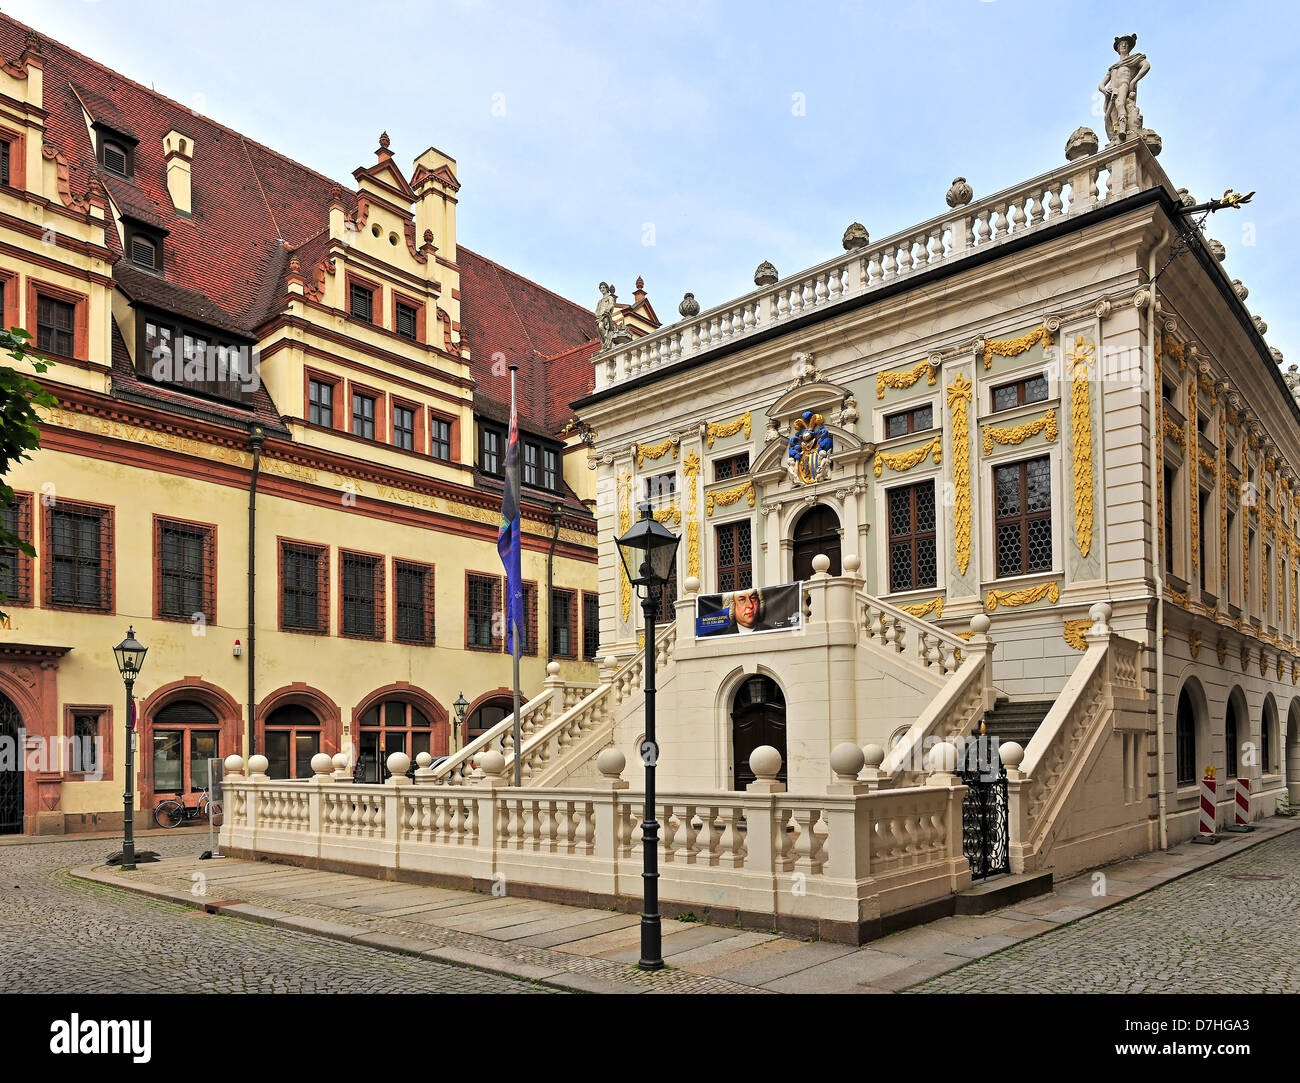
(247, 199)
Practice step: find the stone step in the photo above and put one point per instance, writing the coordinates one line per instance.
(998, 892)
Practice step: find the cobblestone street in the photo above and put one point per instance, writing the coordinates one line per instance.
(62, 935)
(1229, 928)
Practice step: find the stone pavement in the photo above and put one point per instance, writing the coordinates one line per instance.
(595, 950)
(66, 935)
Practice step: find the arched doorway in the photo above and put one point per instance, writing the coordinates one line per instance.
(1292, 763)
(12, 755)
(817, 531)
(186, 734)
(486, 715)
(291, 738)
(757, 718)
(393, 725)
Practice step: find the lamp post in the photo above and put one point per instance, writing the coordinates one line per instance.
(648, 551)
(130, 659)
(461, 706)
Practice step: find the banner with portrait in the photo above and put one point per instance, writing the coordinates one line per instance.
(751, 611)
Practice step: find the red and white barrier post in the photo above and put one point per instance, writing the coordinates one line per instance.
(1242, 804)
(1209, 791)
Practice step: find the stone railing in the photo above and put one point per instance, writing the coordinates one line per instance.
(828, 864)
(955, 711)
(1070, 190)
(915, 639)
(458, 767)
(1042, 777)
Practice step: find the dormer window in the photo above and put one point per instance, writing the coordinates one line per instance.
(146, 253)
(116, 158)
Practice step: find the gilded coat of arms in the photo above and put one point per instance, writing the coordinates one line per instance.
(809, 456)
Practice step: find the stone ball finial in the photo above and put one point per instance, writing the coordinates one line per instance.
(873, 755)
(322, 763)
(423, 760)
(851, 562)
(234, 765)
(960, 193)
(692, 585)
(1099, 613)
(1081, 144)
(855, 236)
(611, 762)
(257, 765)
(1216, 249)
(552, 669)
(846, 761)
(492, 763)
(765, 762)
(398, 764)
(821, 564)
(340, 761)
(1010, 753)
(980, 624)
(942, 757)
(609, 662)
(689, 307)
(765, 274)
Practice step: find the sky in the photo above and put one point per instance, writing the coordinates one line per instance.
(688, 142)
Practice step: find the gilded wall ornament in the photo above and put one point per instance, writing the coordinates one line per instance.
(1074, 632)
(1194, 642)
(691, 470)
(808, 458)
(624, 524)
(924, 609)
(726, 497)
(1081, 433)
(905, 378)
(905, 460)
(1221, 649)
(1014, 347)
(960, 396)
(1018, 434)
(1009, 599)
(716, 430)
(1194, 482)
(656, 451)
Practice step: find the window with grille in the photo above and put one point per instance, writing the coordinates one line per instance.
(661, 487)
(304, 587)
(550, 469)
(732, 466)
(88, 736)
(320, 403)
(413, 603)
(1020, 393)
(361, 595)
(484, 628)
(532, 455)
(1186, 741)
(489, 444)
(15, 565)
(186, 570)
(78, 556)
(4, 161)
(405, 322)
(1171, 487)
(1230, 739)
(918, 419)
(55, 325)
(361, 302)
(735, 556)
(363, 415)
(528, 641)
(404, 427)
(564, 640)
(1023, 517)
(590, 625)
(1206, 523)
(913, 562)
(440, 438)
(665, 596)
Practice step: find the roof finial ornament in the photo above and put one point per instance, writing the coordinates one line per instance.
(384, 140)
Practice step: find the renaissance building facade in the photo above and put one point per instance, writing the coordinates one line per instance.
(277, 452)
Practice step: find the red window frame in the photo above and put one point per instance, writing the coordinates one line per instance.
(107, 569)
(375, 563)
(208, 599)
(322, 553)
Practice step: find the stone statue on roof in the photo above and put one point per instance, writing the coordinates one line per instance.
(1123, 118)
(611, 332)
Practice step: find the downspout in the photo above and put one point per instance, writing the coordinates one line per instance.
(1162, 796)
(255, 438)
(557, 512)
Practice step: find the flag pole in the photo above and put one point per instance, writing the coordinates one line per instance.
(514, 637)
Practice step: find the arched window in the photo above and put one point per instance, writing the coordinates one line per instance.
(817, 531)
(292, 739)
(757, 718)
(1185, 741)
(11, 774)
(487, 715)
(388, 727)
(1267, 746)
(1230, 738)
(185, 736)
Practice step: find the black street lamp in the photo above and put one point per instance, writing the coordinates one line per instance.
(461, 706)
(648, 551)
(130, 659)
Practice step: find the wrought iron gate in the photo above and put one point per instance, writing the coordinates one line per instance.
(12, 755)
(984, 823)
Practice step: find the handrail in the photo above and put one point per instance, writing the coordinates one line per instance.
(452, 770)
(890, 625)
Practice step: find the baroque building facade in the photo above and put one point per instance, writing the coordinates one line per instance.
(277, 451)
(1047, 398)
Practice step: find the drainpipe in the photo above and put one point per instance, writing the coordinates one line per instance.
(557, 512)
(1162, 796)
(255, 438)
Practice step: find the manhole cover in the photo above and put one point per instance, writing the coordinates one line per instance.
(1253, 876)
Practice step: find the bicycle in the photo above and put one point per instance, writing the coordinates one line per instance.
(172, 813)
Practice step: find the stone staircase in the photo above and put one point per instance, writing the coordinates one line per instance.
(1016, 720)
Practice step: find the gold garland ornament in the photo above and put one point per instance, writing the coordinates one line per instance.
(1009, 599)
(1013, 347)
(1194, 484)
(1075, 631)
(1081, 431)
(1174, 432)
(624, 524)
(924, 609)
(691, 468)
(718, 429)
(904, 378)
(960, 396)
(727, 497)
(1020, 433)
(656, 451)
(664, 514)
(905, 460)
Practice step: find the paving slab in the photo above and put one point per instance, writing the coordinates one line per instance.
(616, 940)
(800, 958)
(985, 945)
(859, 967)
(688, 959)
(678, 942)
(552, 922)
(754, 953)
(921, 942)
(606, 923)
(407, 945)
(1068, 913)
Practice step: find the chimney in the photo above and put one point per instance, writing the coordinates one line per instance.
(179, 151)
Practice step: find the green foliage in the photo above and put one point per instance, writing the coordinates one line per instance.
(1284, 805)
(19, 435)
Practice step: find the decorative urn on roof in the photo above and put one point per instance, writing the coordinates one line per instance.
(765, 274)
(960, 193)
(689, 307)
(1082, 143)
(1216, 249)
(856, 236)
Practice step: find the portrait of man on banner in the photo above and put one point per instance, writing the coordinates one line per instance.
(751, 611)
